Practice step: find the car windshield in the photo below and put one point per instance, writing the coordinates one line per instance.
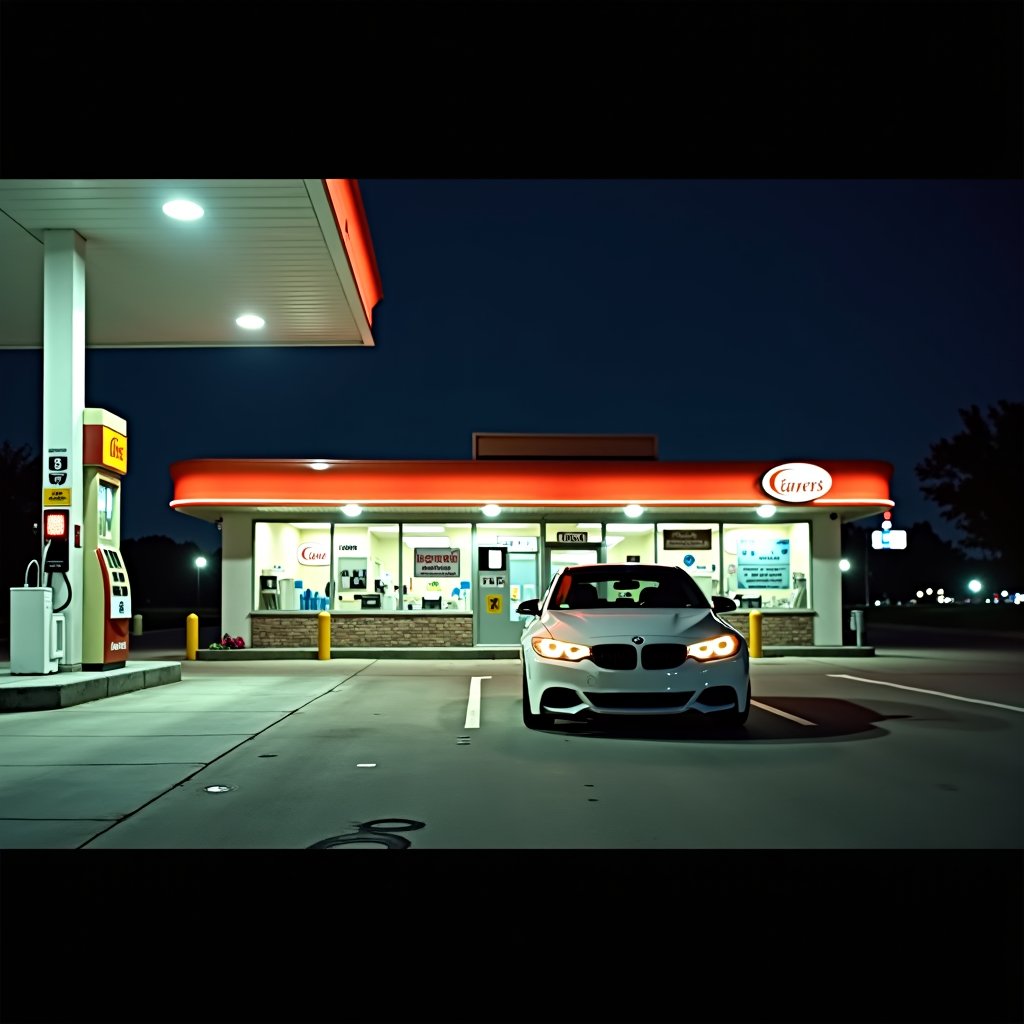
(626, 586)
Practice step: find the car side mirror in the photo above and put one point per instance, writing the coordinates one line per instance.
(530, 607)
(723, 604)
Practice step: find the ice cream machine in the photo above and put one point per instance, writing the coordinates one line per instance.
(107, 603)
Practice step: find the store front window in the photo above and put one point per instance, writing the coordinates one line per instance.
(768, 566)
(695, 547)
(291, 565)
(437, 567)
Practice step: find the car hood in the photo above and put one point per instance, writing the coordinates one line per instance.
(592, 625)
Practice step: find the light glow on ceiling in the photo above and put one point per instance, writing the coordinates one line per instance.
(250, 321)
(183, 209)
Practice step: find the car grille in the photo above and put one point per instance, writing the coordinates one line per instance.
(639, 700)
(662, 655)
(614, 656)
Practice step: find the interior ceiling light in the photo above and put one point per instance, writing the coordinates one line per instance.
(183, 209)
(250, 321)
(319, 465)
(633, 511)
(766, 511)
(491, 509)
(351, 510)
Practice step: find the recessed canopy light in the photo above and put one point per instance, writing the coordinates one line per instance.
(633, 511)
(766, 511)
(351, 510)
(183, 209)
(250, 321)
(491, 509)
(319, 465)
(218, 789)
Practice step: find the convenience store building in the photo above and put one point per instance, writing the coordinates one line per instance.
(439, 553)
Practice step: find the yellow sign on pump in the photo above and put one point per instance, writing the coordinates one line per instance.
(115, 450)
(56, 495)
(493, 603)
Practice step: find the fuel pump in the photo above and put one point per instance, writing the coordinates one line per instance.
(107, 601)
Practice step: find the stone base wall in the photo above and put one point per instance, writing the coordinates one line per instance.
(789, 629)
(364, 630)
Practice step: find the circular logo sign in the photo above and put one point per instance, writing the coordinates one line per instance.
(797, 481)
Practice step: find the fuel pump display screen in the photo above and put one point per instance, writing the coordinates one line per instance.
(105, 505)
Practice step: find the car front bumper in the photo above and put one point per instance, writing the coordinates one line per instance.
(582, 689)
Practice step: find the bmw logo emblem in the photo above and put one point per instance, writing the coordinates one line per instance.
(638, 639)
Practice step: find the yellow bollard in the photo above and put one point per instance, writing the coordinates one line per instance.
(191, 636)
(323, 626)
(755, 634)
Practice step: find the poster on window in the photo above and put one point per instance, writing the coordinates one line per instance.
(762, 563)
(436, 562)
(687, 540)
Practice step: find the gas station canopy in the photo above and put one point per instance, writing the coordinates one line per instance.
(295, 251)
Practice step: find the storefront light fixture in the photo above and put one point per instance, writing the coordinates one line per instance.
(766, 511)
(250, 321)
(633, 511)
(844, 565)
(319, 465)
(183, 209)
(491, 510)
(351, 510)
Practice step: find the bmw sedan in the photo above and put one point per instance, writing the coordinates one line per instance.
(631, 639)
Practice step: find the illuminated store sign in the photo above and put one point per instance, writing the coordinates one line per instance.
(436, 562)
(797, 481)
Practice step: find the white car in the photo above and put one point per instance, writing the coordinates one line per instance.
(631, 639)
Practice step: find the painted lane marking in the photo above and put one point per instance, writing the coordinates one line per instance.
(785, 714)
(473, 708)
(934, 693)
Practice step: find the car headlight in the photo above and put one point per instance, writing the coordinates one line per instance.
(559, 650)
(724, 646)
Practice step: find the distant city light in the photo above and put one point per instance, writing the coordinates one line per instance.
(878, 604)
(941, 590)
(928, 591)
(920, 593)
(1004, 593)
(974, 586)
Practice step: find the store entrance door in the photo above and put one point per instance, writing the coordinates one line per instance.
(558, 557)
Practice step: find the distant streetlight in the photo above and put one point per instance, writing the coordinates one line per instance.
(974, 586)
(844, 565)
(200, 564)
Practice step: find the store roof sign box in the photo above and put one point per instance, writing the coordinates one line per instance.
(797, 481)
(436, 562)
(888, 540)
(687, 540)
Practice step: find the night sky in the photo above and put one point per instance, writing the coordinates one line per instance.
(777, 320)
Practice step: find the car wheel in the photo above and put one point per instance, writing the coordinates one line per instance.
(735, 716)
(530, 720)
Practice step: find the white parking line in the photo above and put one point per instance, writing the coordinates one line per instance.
(776, 711)
(473, 708)
(934, 693)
